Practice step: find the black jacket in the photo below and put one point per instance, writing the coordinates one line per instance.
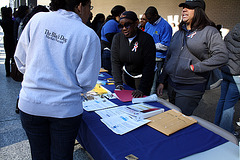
(232, 41)
(137, 61)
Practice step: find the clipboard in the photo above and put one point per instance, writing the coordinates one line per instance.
(170, 122)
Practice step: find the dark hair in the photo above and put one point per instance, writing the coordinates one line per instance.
(98, 19)
(68, 5)
(6, 12)
(109, 17)
(22, 11)
(117, 10)
(35, 10)
(152, 11)
(200, 20)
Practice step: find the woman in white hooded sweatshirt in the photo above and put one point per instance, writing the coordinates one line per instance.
(60, 59)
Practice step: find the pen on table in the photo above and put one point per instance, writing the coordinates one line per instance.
(133, 109)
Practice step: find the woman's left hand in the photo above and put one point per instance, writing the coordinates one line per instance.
(137, 93)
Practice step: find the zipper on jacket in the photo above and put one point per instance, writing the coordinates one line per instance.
(183, 43)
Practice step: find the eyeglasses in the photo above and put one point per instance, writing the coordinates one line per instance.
(91, 7)
(127, 25)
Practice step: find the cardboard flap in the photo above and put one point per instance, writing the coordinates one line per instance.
(103, 70)
(170, 122)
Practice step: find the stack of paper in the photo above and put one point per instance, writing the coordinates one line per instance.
(123, 119)
(97, 104)
(110, 112)
(170, 122)
(145, 110)
(138, 111)
(123, 123)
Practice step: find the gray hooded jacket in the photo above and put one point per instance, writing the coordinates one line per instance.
(205, 50)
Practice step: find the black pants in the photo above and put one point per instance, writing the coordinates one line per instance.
(9, 50)
(51, 138)
(106, 61)
(186, 100)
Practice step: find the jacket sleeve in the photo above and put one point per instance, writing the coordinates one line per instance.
(115, 59)
(218, 53)
(88, 70)
(164, 76)
(110, 36)
(165, 38)
(149, 52)
(21, 49)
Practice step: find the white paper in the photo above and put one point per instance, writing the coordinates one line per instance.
(151, 98)
(110, 112)
(101, 82)
(123, 123)
(135, 110)
(97, 104)
(141, 107)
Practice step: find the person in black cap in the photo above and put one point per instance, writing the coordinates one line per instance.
(133, 53)
(195, 50)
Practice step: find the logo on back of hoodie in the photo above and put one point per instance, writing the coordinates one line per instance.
(55, 37)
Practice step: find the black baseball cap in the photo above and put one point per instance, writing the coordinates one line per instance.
(194, 4)
(129, 15)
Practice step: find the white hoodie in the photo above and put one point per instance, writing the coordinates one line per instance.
(60, 58)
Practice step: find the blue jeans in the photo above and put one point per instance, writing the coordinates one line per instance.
(51, 138)
(225, 108)
(106, 61)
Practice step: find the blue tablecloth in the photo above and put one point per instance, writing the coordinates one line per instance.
(145, 142)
